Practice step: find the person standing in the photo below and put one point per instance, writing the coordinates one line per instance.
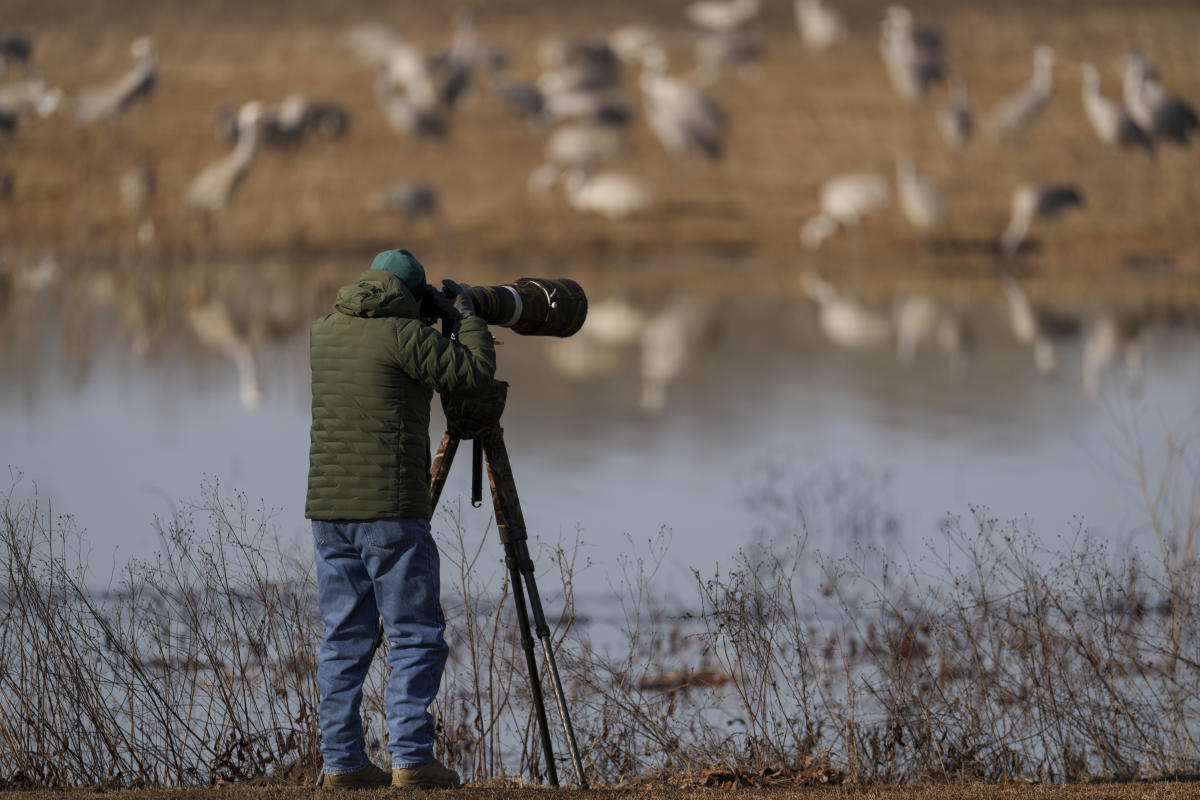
(375, 367)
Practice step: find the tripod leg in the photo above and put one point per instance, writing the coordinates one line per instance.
(511, 524)
(441, 467)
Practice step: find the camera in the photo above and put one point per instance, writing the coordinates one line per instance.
(532, 306)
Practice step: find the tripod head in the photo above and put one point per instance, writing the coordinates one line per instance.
(472, 417)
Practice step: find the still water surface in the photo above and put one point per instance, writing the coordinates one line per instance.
(123, 440)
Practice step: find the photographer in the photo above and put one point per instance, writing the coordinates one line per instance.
(375, 366)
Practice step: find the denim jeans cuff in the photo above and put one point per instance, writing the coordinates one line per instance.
(343, 770)
(410, 764)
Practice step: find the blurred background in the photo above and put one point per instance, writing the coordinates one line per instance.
(938, 257)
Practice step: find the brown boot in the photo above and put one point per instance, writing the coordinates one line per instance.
(369, 777)
(430, 775)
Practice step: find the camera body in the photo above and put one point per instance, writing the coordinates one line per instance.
(532, 306)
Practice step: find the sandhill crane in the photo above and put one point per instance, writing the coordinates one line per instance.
(669, 341)
(718, 53)
(844, 200)
(212, 324)
(821, 27)
(413, 200)
(722, 16)
(216, 185)
(1018, 111)
(403, 113)
(1109, 119)
(138, 186)
(578, 63)
(111, 100)
(631, 42)
(955, 121)
(913, 55)
(1026, 326)
(1036, 201)
(14, 48)
(921, 201)
(290, 121)
(845, 321)
(1161, 114)
(683, 118)
(29, 97)
(1111, 337)
(615, 195)
(920, 323)
(585, 105)
(613, 326)
(576, 146)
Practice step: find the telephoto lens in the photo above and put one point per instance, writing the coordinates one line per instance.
(532, 306)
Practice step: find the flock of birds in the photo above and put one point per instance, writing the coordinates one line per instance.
(578, 103)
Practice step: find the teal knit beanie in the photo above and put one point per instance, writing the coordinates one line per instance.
(403, 265)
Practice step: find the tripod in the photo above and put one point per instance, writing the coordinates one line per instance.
(478, 419)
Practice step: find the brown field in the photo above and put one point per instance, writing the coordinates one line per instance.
(1116, 791)
(809, 116)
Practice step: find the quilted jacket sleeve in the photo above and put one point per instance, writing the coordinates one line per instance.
(462, 366)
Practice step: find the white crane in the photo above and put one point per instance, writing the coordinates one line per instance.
(820, 25)
(683, 118)
(844, 200)
(214, 188)
(1111, 338)
(1032, 202)
(921, 200)
(138, 187)
(1020, 109)
(845, 321)
(669, 341)
(405, 114)
(920, 322)
(110, 100)
(212, 323)
(576, 145)
(722, 16)
(1160, 113)
(614, 325)
(614, 195)
(1026, 326)
(913, 55)
(1108, 118)
(955, 120)
(29, 97)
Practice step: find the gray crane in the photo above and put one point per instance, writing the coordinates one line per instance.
(1020, 109)
(29, 97)
(921, 200)
(914, 56)
(955, 120)
(1032, 202)
(1160, 113)
(109, 101)
(214, 188)
(1109, 119)
(412, 200)
(576, 145)
(683, 118)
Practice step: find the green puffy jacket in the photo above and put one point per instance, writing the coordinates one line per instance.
(375, 366)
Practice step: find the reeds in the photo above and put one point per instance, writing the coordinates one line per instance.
(990, 655)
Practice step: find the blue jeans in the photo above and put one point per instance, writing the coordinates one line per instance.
(367, 570)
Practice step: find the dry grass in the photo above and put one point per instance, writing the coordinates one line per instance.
(809, 117)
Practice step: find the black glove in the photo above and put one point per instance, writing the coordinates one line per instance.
(436, 304)
(461, 300)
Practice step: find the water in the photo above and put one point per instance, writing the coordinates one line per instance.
(114, 439)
